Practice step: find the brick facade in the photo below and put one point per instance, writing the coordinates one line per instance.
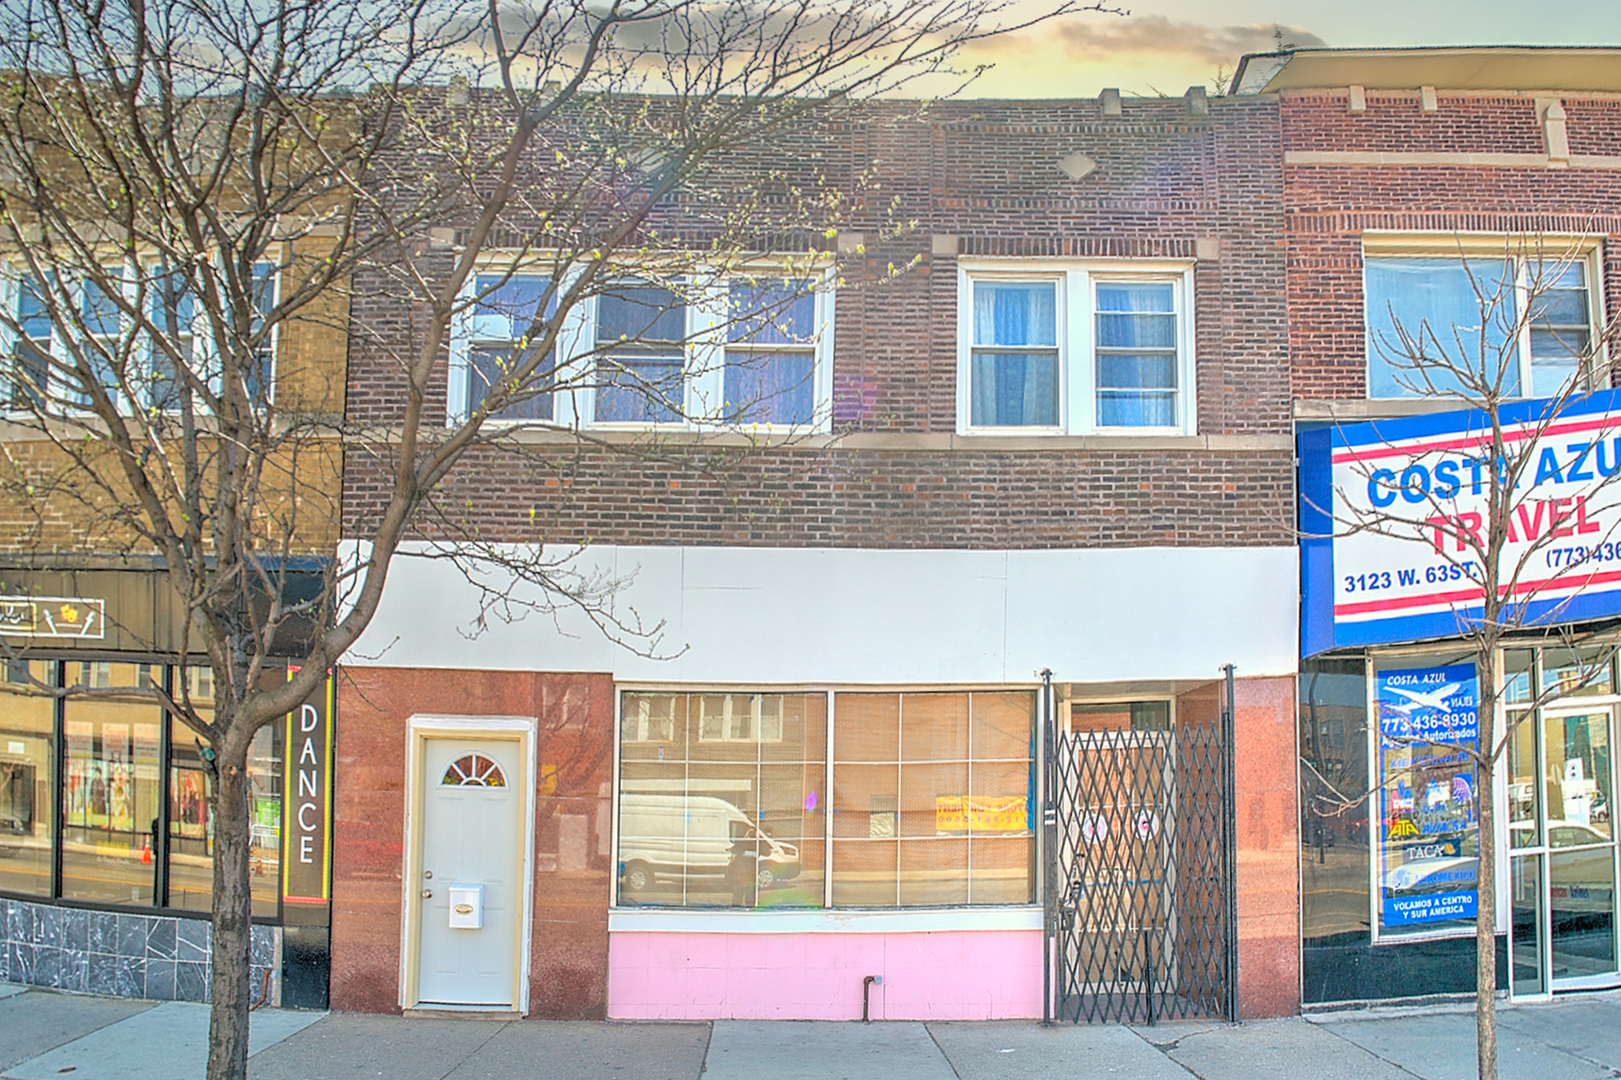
(969, 179)
(1329, 205)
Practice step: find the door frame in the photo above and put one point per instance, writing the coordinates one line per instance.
(1543, 853)
(419, 729)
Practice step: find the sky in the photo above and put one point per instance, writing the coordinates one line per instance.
(1165, 46)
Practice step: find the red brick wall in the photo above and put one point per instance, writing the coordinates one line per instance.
(568, 974)
(936, 499)
(986, 173)
(1329, 206)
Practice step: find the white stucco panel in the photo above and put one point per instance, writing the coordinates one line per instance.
(821, 615)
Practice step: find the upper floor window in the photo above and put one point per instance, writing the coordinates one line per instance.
(1432, 317)
(723, 351)
(505, 317)
(58, 321)
(1058, 347)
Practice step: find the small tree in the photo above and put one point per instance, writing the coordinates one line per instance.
(1496, 531)
(184, 186)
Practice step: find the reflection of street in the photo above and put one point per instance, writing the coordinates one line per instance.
(1337, 888)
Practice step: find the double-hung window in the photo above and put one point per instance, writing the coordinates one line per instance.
(1064, 347)
(770, 364)
(102, 342)
(1446, 317)
(641, 343)
(172, 309)
(96, 322)
(702, 351)
(508, 315)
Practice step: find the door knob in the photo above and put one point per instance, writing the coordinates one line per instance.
(427, 893)
(427, 873)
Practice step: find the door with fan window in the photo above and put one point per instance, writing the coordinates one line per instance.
(469, 907)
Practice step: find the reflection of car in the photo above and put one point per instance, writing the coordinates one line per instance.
(691, 836)
(1582, 882)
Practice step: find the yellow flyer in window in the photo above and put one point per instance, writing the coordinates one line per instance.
(961, 814)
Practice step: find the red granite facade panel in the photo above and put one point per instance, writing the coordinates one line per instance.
(1267, 844)
(569, 948)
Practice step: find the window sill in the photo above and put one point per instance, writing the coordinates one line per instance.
(914, 441)
(842, 921)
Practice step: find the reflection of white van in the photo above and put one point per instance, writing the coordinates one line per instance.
(692, 836)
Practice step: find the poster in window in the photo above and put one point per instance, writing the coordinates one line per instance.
(115, 768)
(188, 804)
(1428, 838)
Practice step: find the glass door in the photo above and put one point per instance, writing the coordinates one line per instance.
(1563, 852)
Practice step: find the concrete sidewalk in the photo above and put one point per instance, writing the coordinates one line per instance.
(49, 1036)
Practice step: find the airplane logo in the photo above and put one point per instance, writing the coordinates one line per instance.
(1421, 699)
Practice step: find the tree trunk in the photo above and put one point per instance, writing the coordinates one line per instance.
(233, 922)
(1486, 875)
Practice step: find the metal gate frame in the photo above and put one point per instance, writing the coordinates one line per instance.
(1139, 871)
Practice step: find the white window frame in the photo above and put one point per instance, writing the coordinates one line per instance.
(1522, 249)
(704, 350)
(11, 279)
(1076, 314)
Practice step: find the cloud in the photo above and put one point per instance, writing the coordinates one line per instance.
(1100, 39)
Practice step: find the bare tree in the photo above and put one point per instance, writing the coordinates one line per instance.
(188, 188)
(1510, 520)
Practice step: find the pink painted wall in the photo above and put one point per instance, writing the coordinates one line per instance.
(943, 975)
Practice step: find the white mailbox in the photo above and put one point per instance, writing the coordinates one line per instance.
(467, 907)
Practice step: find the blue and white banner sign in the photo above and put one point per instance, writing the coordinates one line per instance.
(1388, 509)
(1428, 841)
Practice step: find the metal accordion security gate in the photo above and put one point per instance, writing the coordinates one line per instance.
(1140, 913)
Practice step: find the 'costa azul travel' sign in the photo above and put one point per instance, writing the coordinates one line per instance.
(1387, 508)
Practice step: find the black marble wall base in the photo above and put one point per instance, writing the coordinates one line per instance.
(162, 957)
(1350, 968)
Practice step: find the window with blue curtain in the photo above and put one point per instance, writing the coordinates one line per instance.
(1453, 313)
(30, 358)
(641, 332)
(1014, 365)
(508, 313)
(770, 353)
(1136, 354)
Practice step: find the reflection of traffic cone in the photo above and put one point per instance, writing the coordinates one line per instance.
(146, 851)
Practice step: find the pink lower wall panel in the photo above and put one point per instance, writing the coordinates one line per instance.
(938, 975)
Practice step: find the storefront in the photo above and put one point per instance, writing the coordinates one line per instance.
(1390, 837)
(106, 833)
(839, 816)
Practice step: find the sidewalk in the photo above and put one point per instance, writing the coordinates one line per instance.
(50, 1036)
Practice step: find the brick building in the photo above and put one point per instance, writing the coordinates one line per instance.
(1059, 445)
(106, 830)
(1404, 172)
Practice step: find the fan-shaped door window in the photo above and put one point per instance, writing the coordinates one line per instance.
(473, 770)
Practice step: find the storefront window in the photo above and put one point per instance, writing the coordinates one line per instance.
(721, 799)
(1428, 840)
(110, 789)
(931, 796)
(27, 777)
(1334, 807)
(191, 816)
(1581, 672)
(135, 791)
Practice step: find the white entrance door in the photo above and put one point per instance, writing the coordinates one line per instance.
(469, 902)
